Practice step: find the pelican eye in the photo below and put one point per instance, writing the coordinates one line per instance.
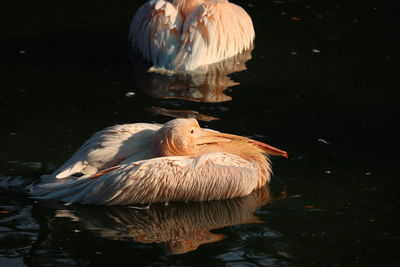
(192, 131)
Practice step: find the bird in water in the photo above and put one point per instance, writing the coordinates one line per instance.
(146, 163)
(184, 35)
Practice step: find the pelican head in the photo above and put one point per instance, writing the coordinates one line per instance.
(184, 137)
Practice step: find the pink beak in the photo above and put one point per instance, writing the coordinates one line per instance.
(269, 149)
(214, 137)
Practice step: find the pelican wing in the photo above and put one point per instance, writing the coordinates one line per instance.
(207, 177)
(214, 31)
(155, 32)
(108, 148)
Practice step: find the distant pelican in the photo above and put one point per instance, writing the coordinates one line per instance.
(147, 163)
(187, 34)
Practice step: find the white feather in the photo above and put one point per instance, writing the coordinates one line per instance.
(211, 176)
(117, 144)
(213, 31)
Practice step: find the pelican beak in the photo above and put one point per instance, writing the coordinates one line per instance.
(268, 149)
(210, 137)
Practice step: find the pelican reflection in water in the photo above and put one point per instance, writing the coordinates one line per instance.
(181, 114)
(179, 227)
(148, 163)
(204, 87)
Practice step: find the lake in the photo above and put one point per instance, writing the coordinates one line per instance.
(321, 83)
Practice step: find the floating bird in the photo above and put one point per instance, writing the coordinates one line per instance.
(147, 163)
(187, 34)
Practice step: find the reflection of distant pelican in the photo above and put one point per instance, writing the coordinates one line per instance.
(203, 86)
(181, 114)
(180, 227)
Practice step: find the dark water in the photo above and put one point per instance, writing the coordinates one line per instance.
(322, 84)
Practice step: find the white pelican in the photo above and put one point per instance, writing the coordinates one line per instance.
(147, 163)
(187, 34)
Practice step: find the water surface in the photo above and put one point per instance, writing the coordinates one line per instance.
(321, 84)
